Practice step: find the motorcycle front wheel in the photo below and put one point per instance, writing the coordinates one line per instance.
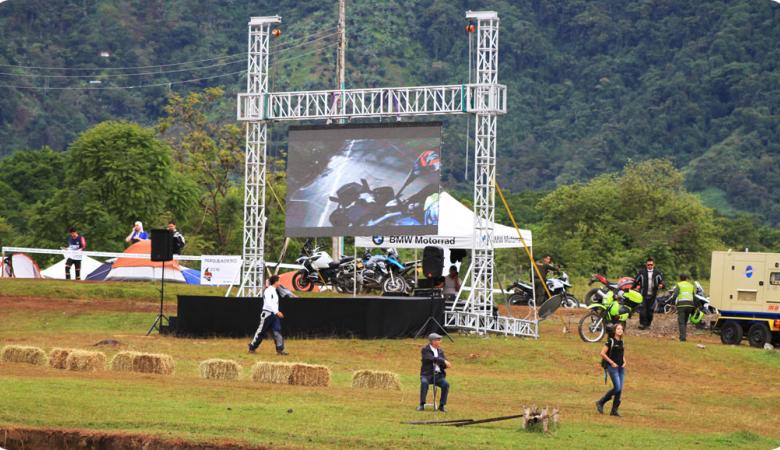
(570, 301)
(301, 282)
(670, 308)
(519, 299)
(592, 327)
(345, 285)
(394, 285)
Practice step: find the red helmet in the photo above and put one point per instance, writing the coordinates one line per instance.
(625, 283)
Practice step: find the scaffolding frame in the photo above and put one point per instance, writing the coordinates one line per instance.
(485, 98)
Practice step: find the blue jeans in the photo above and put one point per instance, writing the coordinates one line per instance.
(617, 375)
(440, 381)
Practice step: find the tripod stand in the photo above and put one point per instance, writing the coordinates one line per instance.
(158, 322)
(428, 321)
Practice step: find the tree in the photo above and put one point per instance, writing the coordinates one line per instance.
(209, 152)
(117, 173)
(616, 221)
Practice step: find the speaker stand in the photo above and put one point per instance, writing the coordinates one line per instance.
(158, 322)
(431, 318)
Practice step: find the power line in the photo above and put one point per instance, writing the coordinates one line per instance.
(122, 68)
(281, 47)
(35, 75)
(168, 83)
(103, 88)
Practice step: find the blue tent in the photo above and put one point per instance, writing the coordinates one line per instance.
(100, 273)
(191, 276)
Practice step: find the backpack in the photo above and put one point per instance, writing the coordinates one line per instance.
(611, 343)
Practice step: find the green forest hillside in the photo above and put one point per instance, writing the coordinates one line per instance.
(594, 84)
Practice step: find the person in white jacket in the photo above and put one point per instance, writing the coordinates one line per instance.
(270, 318)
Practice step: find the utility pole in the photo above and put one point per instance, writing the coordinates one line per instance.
(338, 242)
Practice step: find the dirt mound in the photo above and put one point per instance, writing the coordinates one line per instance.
(51, 439)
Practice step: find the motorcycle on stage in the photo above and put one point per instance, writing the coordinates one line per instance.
(320, 269)
(386, 273)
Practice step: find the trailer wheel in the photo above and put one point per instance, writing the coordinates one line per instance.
(731, 333)
(758, 335)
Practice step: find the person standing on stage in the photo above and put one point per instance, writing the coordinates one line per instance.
(76, 244)
(433, 371)
(648, 281)
(452, 284)
(270, 318)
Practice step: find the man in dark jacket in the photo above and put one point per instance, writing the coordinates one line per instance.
(647, 282)
(433, 371)
(545, 266)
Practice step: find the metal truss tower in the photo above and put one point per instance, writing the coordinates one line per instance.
(253, 254)
(485, 98)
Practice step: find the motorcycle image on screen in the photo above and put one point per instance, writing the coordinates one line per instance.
(319, 268)
(360, 205)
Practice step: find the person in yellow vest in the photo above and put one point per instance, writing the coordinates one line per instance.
(683, 296)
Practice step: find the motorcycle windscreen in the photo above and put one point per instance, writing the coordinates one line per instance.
(358, 180)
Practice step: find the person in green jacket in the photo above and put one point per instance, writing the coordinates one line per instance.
(683, 295)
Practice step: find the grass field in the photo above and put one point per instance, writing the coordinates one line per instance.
(677, 395)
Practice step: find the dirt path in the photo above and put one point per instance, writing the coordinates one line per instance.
(50, 439)
(664, 325)
(80, 305)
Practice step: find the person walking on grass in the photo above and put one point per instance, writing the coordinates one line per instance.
(270, 318)
(614, 362)
(683, 296)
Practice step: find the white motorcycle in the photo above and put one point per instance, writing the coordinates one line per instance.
(560, 285)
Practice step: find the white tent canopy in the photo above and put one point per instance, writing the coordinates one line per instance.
(57, 271)
(456, 228)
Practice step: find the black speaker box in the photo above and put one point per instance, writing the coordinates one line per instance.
(433, 261)
(457, 255)
(162, 245)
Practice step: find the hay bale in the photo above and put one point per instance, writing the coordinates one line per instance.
(57, 357)
(23, 354)
(371, 379)
(219, 369)
(123, 361)
(158, 363)
(85, 361)
(310, 375)
(275, 373)
(143, 362)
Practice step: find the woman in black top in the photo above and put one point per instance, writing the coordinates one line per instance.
(614, 362)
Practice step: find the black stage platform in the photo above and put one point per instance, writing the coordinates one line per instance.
(361, 317)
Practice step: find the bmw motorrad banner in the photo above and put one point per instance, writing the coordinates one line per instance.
(353, 180)
(220, 270)
(456, 230)
(408, 241)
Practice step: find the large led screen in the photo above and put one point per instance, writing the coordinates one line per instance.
(358, 180)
